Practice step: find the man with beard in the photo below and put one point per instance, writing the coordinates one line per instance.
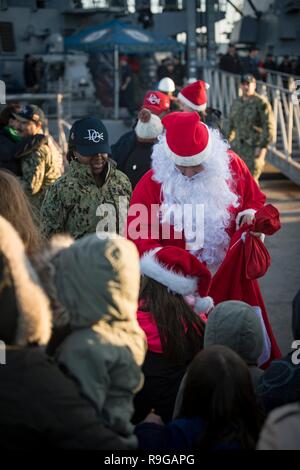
(192, 165)
(196, 196)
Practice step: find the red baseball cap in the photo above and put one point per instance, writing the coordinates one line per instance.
(157, 102)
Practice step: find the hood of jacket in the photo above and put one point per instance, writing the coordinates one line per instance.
(25, 315)
(98, 279)
(234, 324)
(97, 283)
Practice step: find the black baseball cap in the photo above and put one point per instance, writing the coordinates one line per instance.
(89, 136)
(248, 78)
(30, 112)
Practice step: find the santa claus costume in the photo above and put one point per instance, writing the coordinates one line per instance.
(194, 96)
(223, 186)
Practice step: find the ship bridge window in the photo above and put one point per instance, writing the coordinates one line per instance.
(7, 38)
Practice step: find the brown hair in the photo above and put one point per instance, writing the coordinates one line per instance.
(218, 389)
(6, 113)
(15, 207)
(180, 329)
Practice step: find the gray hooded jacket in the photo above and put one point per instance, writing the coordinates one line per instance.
(234, 324)
(97, 283)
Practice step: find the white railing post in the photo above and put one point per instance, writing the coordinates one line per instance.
(290, 127)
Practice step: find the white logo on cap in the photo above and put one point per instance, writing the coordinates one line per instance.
(153, 99)
(94, 135)
(23, 109)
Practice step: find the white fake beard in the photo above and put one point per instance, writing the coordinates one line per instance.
(209, 188)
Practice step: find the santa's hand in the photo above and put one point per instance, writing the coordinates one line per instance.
(247, 219)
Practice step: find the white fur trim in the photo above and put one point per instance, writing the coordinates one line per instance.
(34, 321)
(149, 130)
(240, 215)
(204, 304)
(193, 160)
(151, 267)
(190, 104)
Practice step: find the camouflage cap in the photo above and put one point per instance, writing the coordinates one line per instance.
(248, 78)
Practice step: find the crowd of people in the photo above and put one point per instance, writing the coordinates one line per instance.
(122, 328)
(256, 65)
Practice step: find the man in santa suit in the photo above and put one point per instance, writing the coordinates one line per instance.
(192, 167)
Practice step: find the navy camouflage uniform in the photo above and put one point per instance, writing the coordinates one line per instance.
(70, 205)
(40, 169)
(251, 127)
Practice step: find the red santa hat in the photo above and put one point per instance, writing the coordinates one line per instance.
(181, 272)
(157, 102)
(194, 95)
(188, 142)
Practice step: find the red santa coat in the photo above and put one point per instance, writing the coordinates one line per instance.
(148, 193)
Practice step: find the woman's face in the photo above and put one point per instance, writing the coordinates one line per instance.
(96, 162)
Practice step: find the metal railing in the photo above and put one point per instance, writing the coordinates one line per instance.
(284, 153)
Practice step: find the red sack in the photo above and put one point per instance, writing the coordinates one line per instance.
(257, 258)
(267, 220)
(246, 260)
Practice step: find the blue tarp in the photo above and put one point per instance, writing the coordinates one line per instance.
(128, 38)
